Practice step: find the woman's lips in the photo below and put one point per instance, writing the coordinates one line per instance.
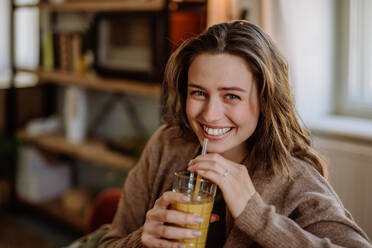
(215, 133)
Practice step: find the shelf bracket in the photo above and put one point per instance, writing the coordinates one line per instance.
(128, 107)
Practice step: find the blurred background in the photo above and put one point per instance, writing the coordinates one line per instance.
(80, 95)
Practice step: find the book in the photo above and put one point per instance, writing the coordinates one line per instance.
(64, 52)
(77, 57)
(48, 51)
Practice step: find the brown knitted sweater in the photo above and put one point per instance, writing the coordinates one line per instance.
(303, 212)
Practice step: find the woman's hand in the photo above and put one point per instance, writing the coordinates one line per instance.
(232, 178)
(157, 234)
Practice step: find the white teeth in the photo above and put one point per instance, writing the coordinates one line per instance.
(216, 132)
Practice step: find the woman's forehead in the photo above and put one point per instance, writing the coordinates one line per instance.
(220, 71)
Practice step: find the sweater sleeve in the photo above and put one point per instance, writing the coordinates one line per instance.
(317, 219)
(126, 228)
(261, 223)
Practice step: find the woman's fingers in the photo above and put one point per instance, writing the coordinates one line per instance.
(152, 241)
(175, 217)
(213, 176)
(170, 197)
(162, 225)
(212, 171)
(233, 179)
(161, 213)
(170, 232)
(173, 232)
(213, 162)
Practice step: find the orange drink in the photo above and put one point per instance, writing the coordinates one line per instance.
(200, 204)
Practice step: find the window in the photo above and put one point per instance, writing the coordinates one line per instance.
(355, 72)
(26, 37)
(5, 72)
(25, 43)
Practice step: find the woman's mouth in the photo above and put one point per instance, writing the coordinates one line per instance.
(216, 132)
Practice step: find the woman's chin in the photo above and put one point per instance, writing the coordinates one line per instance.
(216, 149)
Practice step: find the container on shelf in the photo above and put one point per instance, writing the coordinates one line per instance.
(75, 114)
(39, 180)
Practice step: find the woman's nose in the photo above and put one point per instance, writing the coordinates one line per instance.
(213, 111)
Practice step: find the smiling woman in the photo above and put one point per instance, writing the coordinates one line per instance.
(230, 85)
(220, 88)
(278, 129)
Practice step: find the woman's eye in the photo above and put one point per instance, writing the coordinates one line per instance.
(197, 93)
(232, 97)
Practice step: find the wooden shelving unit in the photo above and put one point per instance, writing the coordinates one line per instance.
(53, 209)
(110, 5)
(93, 81)
(93, 151)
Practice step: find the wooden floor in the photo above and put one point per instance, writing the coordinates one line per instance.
(22, 231)
(13, 235)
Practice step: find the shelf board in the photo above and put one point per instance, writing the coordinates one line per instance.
(92, 81)
(54, 210)
(110, 5)
(31, 5)
(93, 151)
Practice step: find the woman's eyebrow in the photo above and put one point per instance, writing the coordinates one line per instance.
(234, 88)
(195, 86)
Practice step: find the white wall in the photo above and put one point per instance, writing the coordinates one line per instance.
(304, 31)
(350, 173)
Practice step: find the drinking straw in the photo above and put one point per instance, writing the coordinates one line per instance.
(198, 178)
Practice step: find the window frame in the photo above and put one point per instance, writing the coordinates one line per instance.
(350, 85)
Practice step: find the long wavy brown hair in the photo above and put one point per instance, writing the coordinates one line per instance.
(279, 138)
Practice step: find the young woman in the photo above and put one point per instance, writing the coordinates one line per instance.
(230, 85)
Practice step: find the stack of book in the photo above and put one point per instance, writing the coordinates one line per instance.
(63, 51)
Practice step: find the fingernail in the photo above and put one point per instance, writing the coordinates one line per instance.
(191, 167)
(199, 220)
(196, 233)
(185, 198)
(191, 161)
(201, 172)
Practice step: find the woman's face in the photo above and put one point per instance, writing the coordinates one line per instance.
(222, 103)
